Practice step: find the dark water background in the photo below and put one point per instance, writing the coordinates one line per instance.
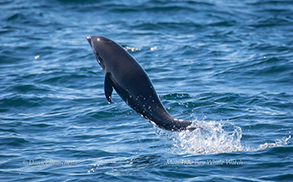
(226, 65)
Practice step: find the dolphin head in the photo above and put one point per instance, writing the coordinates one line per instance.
(100, 46)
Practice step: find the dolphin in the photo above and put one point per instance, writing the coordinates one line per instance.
(133, 85)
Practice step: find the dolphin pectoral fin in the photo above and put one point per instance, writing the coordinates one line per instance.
(108, 87)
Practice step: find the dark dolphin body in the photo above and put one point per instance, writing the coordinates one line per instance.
(132, 84)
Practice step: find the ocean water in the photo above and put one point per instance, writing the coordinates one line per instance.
(225, 65)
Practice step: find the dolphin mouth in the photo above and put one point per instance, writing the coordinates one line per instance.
(89, 39)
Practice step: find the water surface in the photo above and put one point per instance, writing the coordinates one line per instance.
(225, 65)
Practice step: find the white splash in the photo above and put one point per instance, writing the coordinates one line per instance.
(153, 48)
(277, 143)
(132, 49)
(37, 56)
(213, 137)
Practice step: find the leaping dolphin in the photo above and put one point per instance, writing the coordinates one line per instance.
(132, 84)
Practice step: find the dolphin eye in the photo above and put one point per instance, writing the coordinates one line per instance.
(100, 59)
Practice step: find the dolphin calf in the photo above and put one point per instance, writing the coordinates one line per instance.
(133, 85)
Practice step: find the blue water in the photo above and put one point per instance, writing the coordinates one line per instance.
(225, 65)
